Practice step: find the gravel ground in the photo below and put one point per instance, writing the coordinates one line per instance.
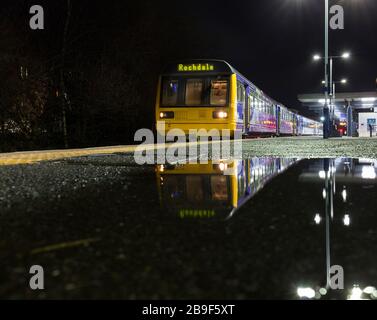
(312, 147)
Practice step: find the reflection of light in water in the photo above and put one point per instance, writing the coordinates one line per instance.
(323, 291)
(347, 220)
(324, 193)
(322, 174)
(356, 293)
(368, 172)
(317, 218)
(368, 161)
(344, 195)
(369, 290)
(306, 293)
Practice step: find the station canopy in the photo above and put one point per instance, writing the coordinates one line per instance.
(360, 101)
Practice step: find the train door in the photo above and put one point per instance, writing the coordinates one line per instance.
(246, 113)
(295, 124)
(241, 103)
(277, 120)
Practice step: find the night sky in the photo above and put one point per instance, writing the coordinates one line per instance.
(269, 41)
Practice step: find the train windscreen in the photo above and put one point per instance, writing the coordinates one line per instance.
(195, 92)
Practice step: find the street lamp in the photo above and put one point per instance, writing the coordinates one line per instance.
(317, 57)
(346, 55)
(330, 85)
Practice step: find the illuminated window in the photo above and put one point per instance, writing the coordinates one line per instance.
(219, 90)
(219, 188)
(250, 101)
(194, 91)
(169, 92)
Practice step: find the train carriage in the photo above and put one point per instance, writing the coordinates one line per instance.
(308, 127)
(211, 94)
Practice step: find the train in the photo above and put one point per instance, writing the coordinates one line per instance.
(211, 94)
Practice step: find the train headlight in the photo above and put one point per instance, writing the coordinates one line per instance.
(167, 115)
(220, 115)
(220, 166)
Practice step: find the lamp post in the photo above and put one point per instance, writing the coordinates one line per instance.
(329, 87)
(326, 128)
(343, 81)
(326, 124)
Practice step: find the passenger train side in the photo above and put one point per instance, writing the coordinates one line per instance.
(211, 94)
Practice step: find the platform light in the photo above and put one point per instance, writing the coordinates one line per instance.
(316, 57)
(322, 118)
(368, 99)
(343, 81)
(317, 219)
(322, 174)
(322, 101)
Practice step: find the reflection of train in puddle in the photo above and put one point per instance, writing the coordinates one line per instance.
(215, 190)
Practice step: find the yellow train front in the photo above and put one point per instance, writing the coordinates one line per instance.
(197, 95)
(211, 94)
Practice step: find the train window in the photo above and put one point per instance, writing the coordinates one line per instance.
(240, 92)
(219, 188)
(219, 91)
(194, 91)
(169, 92)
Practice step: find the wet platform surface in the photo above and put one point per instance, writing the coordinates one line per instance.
(269, 228)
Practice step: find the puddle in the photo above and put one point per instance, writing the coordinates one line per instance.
(259, 228)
